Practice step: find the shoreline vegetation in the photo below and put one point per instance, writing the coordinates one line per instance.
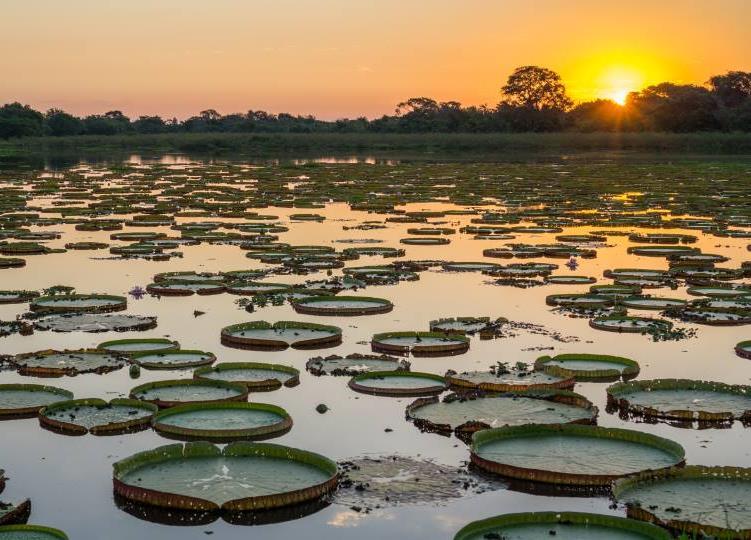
(433, 146)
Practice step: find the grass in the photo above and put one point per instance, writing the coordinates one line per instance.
(417, 145)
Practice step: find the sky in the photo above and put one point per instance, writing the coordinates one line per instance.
(349, 58)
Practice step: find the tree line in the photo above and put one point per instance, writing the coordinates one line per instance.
(534, 99)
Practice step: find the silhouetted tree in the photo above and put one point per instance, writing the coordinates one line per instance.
(534, 87)
(150, 125)
(672, 107)
(733, 88)
(534, 99)
(18, 120)
(597, 115)
(59, 123)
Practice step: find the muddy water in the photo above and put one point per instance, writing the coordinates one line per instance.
(70, 478)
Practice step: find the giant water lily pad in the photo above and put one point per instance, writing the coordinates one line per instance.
(342, 305)
(174, 359)
(355, 364)
(240, 477)
(571, 454)
(136, 345)
(31, 532)
(587, 367)
(53, 363)
(561, 525)
(705, 501)
(256, 376)
(28, 399)
(420, 343)
(475, 412)
(95, 322)
(467, 325)
(398, 383)
(177, 392)
(633, 325)
(503, 380)
(651, 302)
(280, 335)
(79, 303)
(223, 422)
(96, 416)
(682, 400)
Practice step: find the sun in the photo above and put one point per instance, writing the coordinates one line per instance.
(617, 82)
(619, 95)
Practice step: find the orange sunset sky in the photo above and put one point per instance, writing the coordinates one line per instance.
(347, 58)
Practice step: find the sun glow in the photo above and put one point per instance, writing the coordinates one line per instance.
(617, 82)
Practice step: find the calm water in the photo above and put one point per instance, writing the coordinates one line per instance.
(69, 479)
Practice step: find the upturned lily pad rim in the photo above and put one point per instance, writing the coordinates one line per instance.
(119, 303)
(236, 449)
(241, 389)
(484, 526)
(556, 396)
(308, 305)
(33, 410)
(226, 435)
(56, 533)
(676, 451)
(452, 344)
(268, 384)
(615, 392)
(137, 357)
(335, 335)
(689, 472)
(631, 368)
(114, 428)
(455, 380)
(433, 389)
(743, 349)
(103, 345)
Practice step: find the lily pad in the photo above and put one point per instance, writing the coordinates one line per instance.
(241, 477)
(682, 400)
(95, 322)
(561, 525)
(280, 335)
(256, 376)
(223, 422)
(588, 367)
(342, 305)
(172, 359)
(470, 413)
(18, 400)
(30, 532)
(571, 454)
(398, 383)
(354, 364)
(138, 345)
(79, 303)
(96, 416)
(420, 343)
(704, 501)
(181, 391)
(51, 363)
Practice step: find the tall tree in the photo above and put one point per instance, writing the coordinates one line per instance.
(733, 88)
(537, 88)
(59, 123)
(18, 120)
